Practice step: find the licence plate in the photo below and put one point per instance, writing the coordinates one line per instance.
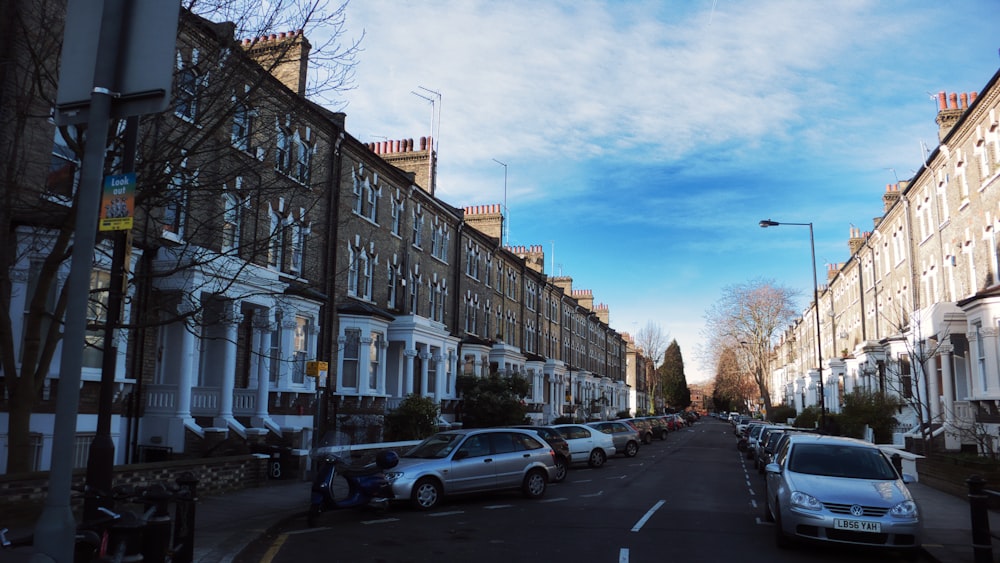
(858, 525)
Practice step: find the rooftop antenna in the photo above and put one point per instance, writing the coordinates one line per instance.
(435, 102)
(504, 227)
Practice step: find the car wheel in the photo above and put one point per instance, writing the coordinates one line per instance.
(781, 541)
(647, 438)
(597, 458)
(561, 469)
(534, 484)
(426, 494)
(631, 448)
(663, 435)
(768, 517)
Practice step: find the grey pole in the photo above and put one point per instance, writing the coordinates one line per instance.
(55, 529)
(819, 342)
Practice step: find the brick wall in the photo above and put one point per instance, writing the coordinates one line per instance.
(23, 495)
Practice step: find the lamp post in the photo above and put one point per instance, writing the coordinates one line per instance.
(765, 223)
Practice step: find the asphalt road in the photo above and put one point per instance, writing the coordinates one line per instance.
(692, 497)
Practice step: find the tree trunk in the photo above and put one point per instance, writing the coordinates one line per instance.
(20, 454)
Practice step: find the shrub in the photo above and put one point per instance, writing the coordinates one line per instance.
(873, 409)
(495, 400)
(808, 418)
(781, 413)
(415, 419)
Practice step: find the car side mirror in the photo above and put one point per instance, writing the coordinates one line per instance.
(908, 479)
(772, 468)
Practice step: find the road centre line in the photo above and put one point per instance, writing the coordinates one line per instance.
(649, 514)
(380, 521)
(450, 513)
(496, 506)
(623, 555)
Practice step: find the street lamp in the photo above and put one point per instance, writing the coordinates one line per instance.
(765, 223)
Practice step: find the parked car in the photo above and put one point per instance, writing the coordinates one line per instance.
(774, 442)
(761, 441)
(660, 427)
(559, 445)
(741, 424)
(471, 461)
(752, 433)
(587, 444)
(840, 490)
(644, 427)
(625, 436)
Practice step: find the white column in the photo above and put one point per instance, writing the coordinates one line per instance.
(440, 382)
(228, 384)
(947, 381)
(189, 359)
(410, 354)
(365, 365)
(262, 338)
(424, 364)
(285, 351)
(931, 390)
(382, 352)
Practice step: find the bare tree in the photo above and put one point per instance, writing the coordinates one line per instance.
(651, 341)
(227, 150)
(906, 373)
(745, 321)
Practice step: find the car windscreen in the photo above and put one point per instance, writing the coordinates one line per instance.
(834, 460)
(437, 446)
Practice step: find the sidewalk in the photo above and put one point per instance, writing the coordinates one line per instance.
(948, 525)
(226, 524)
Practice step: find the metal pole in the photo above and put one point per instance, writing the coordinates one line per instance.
(56, 526)
(819, 341)
(101, 459)
(982, 544)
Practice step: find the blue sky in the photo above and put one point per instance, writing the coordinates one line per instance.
(644, 141)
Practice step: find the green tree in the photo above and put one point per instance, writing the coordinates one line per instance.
(495, 400)
(675, 387)
(415, 419)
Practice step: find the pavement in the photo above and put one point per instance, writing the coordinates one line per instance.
(226, 524)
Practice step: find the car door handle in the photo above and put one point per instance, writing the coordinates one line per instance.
(488, 460)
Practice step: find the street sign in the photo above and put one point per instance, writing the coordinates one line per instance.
(146, 59)
(118, 203)
(313, 369)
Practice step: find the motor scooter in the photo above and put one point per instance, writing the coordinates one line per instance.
(338, 484)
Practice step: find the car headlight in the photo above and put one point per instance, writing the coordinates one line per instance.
(808, 502)
(391, 476)
(905, 509)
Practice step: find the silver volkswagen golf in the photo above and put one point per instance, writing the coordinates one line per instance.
(842, 490)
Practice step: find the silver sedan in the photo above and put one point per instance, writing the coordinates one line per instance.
(471, 461)
(840, 490)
